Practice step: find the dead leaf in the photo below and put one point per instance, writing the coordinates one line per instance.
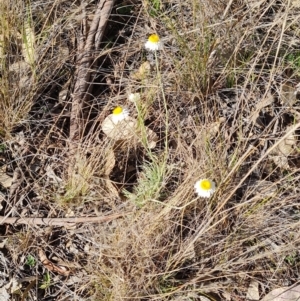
(297, 88)
(3, 243)
(127, 129)
(5, 180)
(286, 146)
(281, 161)
(213, 128)
(12, 286)
(152, 138)
(296, 4)
(269, 99)
(74, 280)
(4, 295)
(21, 73)
(70, 213)
(63, 53)
(124, 129)
(142, 72)
(287, 95)
(62, 96)
(20, 139)
(17, 180)
(226, 295)
(111, 189)
(254, 4)
(51, 174)
(263, 188)
(62, 263)
(252, 292)
(284, 294)
(51, 266)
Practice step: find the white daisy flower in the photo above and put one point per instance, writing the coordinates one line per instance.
(119, 114)
(154, 43)
(134, 97)
(205, 188)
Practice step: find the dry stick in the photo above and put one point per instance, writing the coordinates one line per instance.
(66, 221)
(86, 51)
(104, 8)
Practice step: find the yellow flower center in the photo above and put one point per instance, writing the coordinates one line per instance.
(154, 38)
(205, 185)
(117, 110)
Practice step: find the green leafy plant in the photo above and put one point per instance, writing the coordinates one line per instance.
(46, 281)
(294, 59)
(2, 148)
(150, 183)
(291, 259)
(30, 261)
(155, 7)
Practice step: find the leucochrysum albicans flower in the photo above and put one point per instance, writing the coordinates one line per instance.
(119, 114)
(205, 188)
(134, 97)
(119, 125)
(154, 43)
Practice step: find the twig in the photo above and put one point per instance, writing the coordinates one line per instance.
(66, 221)
(86, 51)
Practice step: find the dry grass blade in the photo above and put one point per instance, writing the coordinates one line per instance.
(67, 221)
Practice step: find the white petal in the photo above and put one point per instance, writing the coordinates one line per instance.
(118, 117)
(202, 192)
(154, 46)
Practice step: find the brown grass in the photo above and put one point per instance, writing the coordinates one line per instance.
(214, 98)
